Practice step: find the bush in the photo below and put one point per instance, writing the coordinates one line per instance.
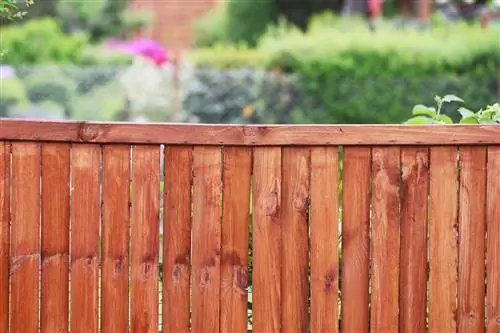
(51, 84)
(349, 74)
(13, 93)
(41, 41)
(248, 20)
(212, 28)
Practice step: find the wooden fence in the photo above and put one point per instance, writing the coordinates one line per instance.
(148, 227)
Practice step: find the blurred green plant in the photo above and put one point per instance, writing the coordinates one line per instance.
(12, 93)
(101, 18)
(432, 115)
(349, 74)
(212, 28)
(9, 9)
(248, 20)
(53, 85)
(41, 41)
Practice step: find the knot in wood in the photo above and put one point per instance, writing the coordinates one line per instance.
(88, 132)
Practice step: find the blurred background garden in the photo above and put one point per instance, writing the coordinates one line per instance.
(247, 61)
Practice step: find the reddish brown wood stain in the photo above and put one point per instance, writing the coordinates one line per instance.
(395, 180)
(4, 233)
(55, 237)
(413, 252)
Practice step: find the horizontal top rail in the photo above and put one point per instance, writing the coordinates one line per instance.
(247, 135)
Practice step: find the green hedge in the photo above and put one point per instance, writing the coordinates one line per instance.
(352, 75)
(41, 41)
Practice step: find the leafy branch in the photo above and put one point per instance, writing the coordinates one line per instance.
(432, 115)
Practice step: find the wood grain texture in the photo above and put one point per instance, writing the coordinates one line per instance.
(443, 240)
(294, 235)
(55, 237)
(355, 239)
(4, 234)
(254, 135)
(413, 253)
(386, 170)
(324, 240)
(85, 216)
(266, 186)
(493, 241)
(25, 236)
(145, 220)
(235, 229)
(177, 239)
(206, 238)
(115, 237)
(472, 228)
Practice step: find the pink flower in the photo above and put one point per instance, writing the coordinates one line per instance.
(150, 49)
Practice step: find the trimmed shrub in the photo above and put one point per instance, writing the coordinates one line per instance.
(348, 74)
(248, 20)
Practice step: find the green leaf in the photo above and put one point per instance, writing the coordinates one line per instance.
(423, 110)
(420, 120)
(469, 120)
(452, 98)
(445, 119)
(465, 112)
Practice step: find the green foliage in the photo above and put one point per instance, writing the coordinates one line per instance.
(212, 28)
(349, 74)
(51, 85)
(430, 115)
(101, 18)
(41, 41)
(248, 20)
(12, 93)
(9, 9)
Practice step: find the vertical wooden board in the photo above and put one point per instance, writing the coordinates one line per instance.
(4, 234)
(25, 237)
(294, 235)
(206, 238)
(472, 228)
(443, 239)
(385, 239)
(266, 289)
(493, 241)
(55, 237)
(145, 238)
(413, 253)
(355, 239)
(235, 229)
(115, 237)
(85, 216)
(177, 239)
(324, 240)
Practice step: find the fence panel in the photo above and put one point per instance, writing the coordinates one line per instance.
(385, 239)
(266, 186)
(25, 241)
(145, 238)
(4, 234)
(177, 239)
(85, 219)
(324, 219)
(355, 239)
(294, 235)
(235, 238)
(55, 237)
(115, 237)
(493, 241)
(206, 232)
(359, 237)
(472, 227)
(443, 241)
(413, 252)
